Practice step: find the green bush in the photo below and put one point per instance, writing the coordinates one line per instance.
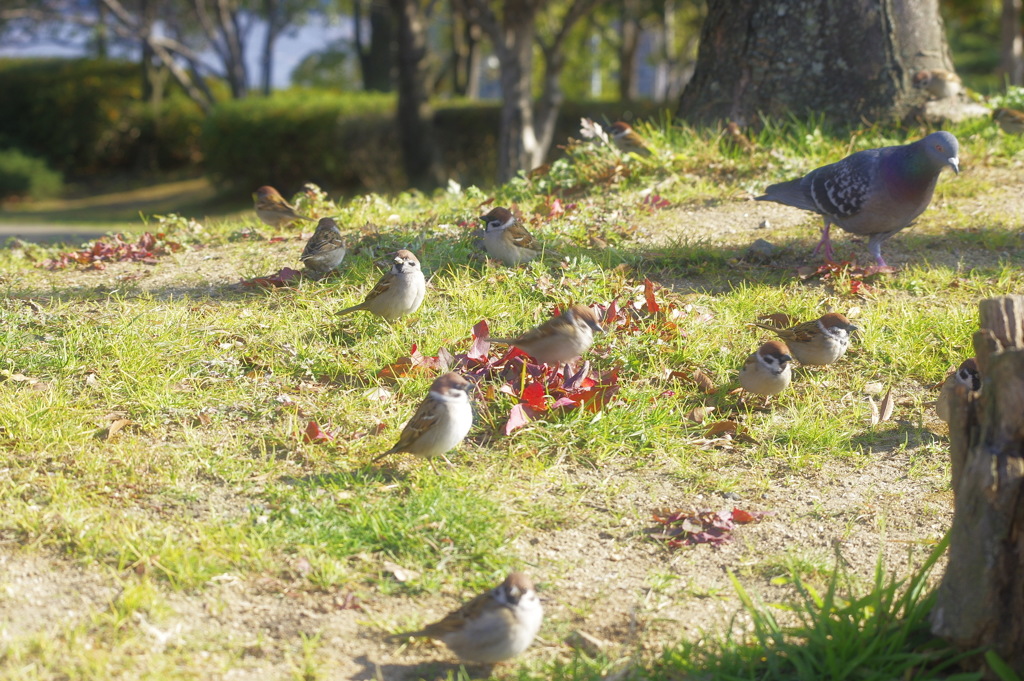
(22, 175)
(348, 141)
(84, 116)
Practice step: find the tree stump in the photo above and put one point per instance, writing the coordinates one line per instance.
(980, 601)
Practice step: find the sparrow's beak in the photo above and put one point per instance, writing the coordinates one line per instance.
(954, 163)
(785, 359)
(596, 327)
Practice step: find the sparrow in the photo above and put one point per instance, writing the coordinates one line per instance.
(441, 421)
(495, 626)
(767, 371)
(1010, 120)
(627, 140)
(966, 375)
(398, 293)
(938, 83)
(819, 342)
(506, 239)
(273, 210)
(560, 339)
(325, 249)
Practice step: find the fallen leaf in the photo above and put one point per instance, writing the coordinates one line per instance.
(116, 427)
(400, 573)
(886, 406)
(780, 320)
(721, 428)
(874, 412)
(314, 433)
(703, 381)
(517, 418)
(282, 277)
(652, 304)
(698, 414)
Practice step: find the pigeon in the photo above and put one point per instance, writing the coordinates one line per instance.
(875, 192)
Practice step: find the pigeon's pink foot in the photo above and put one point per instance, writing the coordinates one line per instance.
(825, 244)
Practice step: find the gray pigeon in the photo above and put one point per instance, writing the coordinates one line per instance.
(875, 192)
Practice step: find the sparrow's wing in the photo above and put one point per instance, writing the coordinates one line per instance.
(321, 243)
(551, 327)
(522, 238)
(456, 620)
(423, 420)
(385, 283)
(801, 333)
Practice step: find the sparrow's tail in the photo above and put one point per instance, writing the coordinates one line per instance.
(349, 309)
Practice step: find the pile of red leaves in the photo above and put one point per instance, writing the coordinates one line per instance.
(541, 389)
(106, 249)
(686, 528)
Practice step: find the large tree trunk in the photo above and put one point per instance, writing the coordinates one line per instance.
(415, 117)
(980, 602)
(628, 50)
(851, 60)
(376, 56)
(1011, 48)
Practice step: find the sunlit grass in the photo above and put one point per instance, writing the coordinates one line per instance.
(208, 478)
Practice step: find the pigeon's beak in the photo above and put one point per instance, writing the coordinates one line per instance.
(954, 163)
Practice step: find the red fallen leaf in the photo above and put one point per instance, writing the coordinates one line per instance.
(415, 363)
(656, 201)
(314, 433)
(517, 418)
(744, 517)
(534, 396)
(555, 209)
(481, 346)
(652, 304)
(282, 277)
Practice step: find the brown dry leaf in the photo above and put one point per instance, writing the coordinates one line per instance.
(780, 320)
(698, 414)
(721, 428)
(887, 406)
(116, 427)
(703, 381)
(874, 412)
(400, 573)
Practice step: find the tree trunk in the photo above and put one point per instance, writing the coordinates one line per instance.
(851, 60)
(628, 50)
(271, 8)
(377, 57)
(981, 598)
(415, 117)
(1011, 48)
(517, 139)
(465, 50)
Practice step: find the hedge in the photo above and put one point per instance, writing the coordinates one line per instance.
(348, 141)
(84, 117)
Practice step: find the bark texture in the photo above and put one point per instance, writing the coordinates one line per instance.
(981, 598)
(415, 116)
(851, 60)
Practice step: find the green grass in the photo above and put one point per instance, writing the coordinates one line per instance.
(211, 478)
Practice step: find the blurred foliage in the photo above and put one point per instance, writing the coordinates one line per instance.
(84, 116)
(972, 28)
(25, 176)
(348, 141)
